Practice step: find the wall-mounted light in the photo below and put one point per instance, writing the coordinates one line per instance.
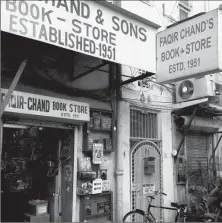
(217, 92)
(174, 152)
(15, 126)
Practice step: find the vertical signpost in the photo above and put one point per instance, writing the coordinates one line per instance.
(190, 49)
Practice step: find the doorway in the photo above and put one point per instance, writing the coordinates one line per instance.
(37, 164)
(145, 177)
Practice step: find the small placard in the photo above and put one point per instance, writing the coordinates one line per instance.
(97, 153)
(106, 185)
(84, 164)
(148, 188)
(97, 186)
(42, 209)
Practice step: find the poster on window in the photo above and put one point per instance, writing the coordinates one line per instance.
(148, 188)
(97, 153)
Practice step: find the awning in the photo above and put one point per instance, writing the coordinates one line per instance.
(186, 104)
(201, 124)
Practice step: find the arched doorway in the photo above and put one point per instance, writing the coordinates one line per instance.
(146, 176)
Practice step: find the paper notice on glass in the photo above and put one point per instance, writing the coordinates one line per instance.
(97, 153)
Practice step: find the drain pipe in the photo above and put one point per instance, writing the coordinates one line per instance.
(119, 162)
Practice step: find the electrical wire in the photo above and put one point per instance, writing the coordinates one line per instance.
(166, 102)
(172, 10)
(159, 14)
(165, 108)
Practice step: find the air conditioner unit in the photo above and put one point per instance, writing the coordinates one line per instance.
(195, 88)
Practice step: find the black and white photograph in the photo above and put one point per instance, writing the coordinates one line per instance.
(111, 111)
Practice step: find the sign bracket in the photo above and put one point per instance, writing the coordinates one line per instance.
(90, 70)
(213, 155)
(140, 77)
(13, 85)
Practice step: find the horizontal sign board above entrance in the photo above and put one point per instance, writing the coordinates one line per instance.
(33, 104)
(190, 49)
(88, 27)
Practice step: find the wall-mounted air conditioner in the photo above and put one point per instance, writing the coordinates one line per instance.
(195, 88)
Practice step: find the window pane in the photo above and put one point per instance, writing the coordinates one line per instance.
(183, 14)
(143, 125)
(185, 3)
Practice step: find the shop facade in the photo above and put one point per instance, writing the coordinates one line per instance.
(148, 165)
(197, 137)
(44, 136)
(59, 91)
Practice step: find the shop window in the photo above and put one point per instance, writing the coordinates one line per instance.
(184, 9)
(97, 141)
(183, 14)
(186, 3)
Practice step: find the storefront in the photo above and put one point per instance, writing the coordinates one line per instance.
(51, 158)
(196, 166)
(38, 161)
(55, 143)
(59, 126)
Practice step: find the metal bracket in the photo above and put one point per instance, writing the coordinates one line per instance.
(90, 70)
(13, 85)
(140, 77)
(213, 155)
(185, 132)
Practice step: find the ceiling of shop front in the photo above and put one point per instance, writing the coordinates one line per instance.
(52, 63)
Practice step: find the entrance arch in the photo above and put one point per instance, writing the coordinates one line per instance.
(146, 176)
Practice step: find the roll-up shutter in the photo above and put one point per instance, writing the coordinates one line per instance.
(196, 147)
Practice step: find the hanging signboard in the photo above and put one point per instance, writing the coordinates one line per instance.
(33, 104)
(190, 49)
(89, 27)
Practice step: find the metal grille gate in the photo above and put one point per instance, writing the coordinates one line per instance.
(143, 125)
(145, 144)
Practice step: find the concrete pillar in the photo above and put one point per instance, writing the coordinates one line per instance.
(122, 161)
(168, 164)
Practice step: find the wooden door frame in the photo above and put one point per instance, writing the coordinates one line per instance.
(75, 128)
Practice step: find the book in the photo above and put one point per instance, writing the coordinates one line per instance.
(106, 123)
(84, 164)
(97, 153)
(107, 144)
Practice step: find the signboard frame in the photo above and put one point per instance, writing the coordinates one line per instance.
(50, 108)
(88, 27)
(183, 49)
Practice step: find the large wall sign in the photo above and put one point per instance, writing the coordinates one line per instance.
(33, 104)
(190, 49)
(88, 27)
